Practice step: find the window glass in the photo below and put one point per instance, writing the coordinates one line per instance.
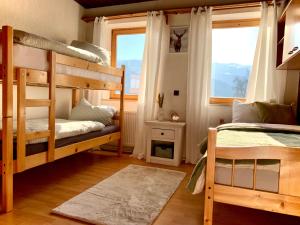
(233, 52)
(129, 52)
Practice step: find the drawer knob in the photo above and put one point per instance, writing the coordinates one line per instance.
(290, 52)
(162, 133)
(295, 48)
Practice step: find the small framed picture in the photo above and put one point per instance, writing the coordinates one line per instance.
(178, 39)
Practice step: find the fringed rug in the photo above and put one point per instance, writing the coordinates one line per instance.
(133, 196)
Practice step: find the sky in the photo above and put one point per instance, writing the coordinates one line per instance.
(134, 46)
(234, 45)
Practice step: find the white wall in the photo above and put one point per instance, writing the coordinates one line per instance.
(56, 19)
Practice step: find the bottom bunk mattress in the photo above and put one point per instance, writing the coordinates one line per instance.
(67, 132)
(247, 135)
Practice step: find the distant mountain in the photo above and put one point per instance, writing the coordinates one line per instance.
(228, 79)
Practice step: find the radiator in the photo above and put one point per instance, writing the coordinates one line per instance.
(129, 128)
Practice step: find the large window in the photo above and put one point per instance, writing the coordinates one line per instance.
(233, 50)
(128, 50)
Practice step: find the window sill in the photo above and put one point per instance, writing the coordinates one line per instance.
(224, 101)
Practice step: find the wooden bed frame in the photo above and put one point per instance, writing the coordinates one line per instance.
(286, 201)
(11, 75)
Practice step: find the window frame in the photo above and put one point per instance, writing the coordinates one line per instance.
(114, 36)
(231, 24)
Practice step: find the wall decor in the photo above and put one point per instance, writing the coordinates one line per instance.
(178, 39)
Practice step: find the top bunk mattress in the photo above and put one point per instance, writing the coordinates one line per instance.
(35, 58)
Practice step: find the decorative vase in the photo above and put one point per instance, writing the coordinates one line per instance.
(160, 114)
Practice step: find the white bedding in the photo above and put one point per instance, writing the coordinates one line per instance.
(63, 128)
(35, 58)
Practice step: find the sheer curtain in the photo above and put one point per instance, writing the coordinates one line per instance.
(100, 38)
(199, 81)
(265, 82)
(154, 56)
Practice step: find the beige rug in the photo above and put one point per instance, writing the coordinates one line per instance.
(133, 196)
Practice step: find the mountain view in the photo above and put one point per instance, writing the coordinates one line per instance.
(228, 79)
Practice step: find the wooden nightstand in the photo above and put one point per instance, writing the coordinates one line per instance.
(164, 142)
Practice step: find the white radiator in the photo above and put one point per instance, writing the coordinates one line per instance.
(129, 128)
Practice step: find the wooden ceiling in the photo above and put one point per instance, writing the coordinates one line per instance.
(101, 3)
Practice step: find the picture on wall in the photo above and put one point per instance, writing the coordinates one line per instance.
(178, 39)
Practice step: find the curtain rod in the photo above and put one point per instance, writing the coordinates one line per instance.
(178, 11)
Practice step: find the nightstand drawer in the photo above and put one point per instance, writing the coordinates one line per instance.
(163, 133)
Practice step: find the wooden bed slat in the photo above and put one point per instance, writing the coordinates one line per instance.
(37, 135)
(83, 64)
(37, 103)
(84, 145)
(272, 202)
(64, 80)
(255, 152)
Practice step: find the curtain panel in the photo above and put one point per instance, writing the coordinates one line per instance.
(265, 82)
(156, 45)
(198, 81)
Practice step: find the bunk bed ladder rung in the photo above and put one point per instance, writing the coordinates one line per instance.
(37, 102)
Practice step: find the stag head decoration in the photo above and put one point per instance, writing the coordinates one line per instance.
(177, 41)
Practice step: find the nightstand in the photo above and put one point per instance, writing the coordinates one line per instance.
(164, 142)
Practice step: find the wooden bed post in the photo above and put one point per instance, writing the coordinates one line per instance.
(121, 118)
(7, 118)
(210, 177)
(21, 118)
(52, 87)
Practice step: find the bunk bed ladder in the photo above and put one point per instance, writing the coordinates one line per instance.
(22, 102)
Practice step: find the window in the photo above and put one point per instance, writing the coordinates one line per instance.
(128, 49)
(233, 49)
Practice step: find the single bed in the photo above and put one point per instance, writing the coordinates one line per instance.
(251, 165)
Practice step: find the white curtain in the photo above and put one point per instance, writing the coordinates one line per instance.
(153, 61)
(265, 82)
(198, 81)
(100, 38)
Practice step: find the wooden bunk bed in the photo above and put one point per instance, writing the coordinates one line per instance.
(10, 75)
(285, 200)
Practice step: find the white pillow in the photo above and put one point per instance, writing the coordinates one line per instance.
(245, 113)
(109, 108)
(100, 52)
(86, 111)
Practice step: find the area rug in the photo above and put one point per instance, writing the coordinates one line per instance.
(133, 196)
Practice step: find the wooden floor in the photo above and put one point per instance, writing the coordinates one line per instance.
(41, 189)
